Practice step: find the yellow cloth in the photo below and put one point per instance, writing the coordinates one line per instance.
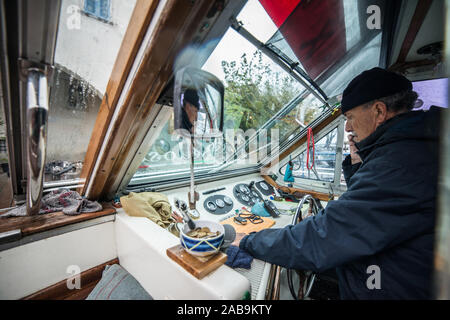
(152, 205)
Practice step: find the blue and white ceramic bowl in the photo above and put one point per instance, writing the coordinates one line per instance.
(202, 247)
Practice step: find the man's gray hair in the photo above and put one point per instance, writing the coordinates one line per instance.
(402, 101)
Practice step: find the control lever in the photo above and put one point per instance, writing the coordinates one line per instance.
(187, 219)
(183, 208)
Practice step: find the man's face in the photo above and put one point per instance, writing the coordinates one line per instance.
(362, 121)
(191, 112)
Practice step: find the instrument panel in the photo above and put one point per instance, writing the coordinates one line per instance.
(247, 195)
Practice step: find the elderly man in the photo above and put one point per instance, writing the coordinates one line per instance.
(191, 105)
(379, 234)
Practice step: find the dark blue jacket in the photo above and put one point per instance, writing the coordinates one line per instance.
(385, 218)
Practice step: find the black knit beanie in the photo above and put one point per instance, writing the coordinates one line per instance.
(373, 84)
(191, 96)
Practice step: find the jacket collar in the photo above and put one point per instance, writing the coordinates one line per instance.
(409, 125)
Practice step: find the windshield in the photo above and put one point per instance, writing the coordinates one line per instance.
(266, 106)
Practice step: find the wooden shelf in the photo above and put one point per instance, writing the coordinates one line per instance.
(39, 223)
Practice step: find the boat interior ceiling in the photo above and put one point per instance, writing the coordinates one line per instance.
(89, 95)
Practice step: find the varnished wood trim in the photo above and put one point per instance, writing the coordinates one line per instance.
(416, 22)
(404, 66)
(39, 223)
(318, 195)
(295, 146)
(137, 27)
(59, 291)
(177, 24)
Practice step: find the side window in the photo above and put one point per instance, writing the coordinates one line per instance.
(82, 72)
(345, 152)
(98, 8)
(324, 160)
(6, 197)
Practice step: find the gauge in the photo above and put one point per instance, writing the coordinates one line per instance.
(228, 201)
(211, 206)
(244, 189)
(245, 198)
(255, 194)
(264, 186)
(220, 203)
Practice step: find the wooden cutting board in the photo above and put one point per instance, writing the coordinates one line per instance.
(199, 267)
(249, 227)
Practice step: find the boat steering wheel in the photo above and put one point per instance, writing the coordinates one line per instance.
(307, 278)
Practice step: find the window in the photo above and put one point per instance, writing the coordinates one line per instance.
(6, 195)
(323, 165)
(3, 146)
(432, 93)
(256, 89)
(98, 8)
(261, 98)
(83, 69)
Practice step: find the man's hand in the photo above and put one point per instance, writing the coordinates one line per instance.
(354, 156)
(238, 239)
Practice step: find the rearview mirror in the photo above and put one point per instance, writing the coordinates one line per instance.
(198, 103)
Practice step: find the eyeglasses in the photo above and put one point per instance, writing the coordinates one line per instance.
(243, 217)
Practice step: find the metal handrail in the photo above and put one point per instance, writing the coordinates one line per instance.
(37, 118)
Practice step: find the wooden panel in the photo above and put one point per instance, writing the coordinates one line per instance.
(34, 224)
(250, 227)
(174, 30)
(59, 291)
(137, 27)
(199, 267)
(315, 194)
(416, 22)
(402, 67)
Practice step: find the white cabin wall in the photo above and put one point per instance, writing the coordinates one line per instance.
(34, 266)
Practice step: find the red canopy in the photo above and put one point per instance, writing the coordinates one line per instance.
(315, 30)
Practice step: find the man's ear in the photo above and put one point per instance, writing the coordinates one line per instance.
(380, 112)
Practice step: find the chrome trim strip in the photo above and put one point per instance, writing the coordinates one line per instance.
(10, 236)
(37, 118)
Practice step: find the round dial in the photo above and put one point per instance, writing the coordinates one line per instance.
(228, 200)
(244, 189)
(220, 203)
(211, 206)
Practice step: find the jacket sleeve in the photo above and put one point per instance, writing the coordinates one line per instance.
(349, 169)
(377, 212)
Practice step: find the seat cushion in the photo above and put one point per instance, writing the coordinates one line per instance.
(118, 284)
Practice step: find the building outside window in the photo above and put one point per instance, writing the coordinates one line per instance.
(98, 8)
